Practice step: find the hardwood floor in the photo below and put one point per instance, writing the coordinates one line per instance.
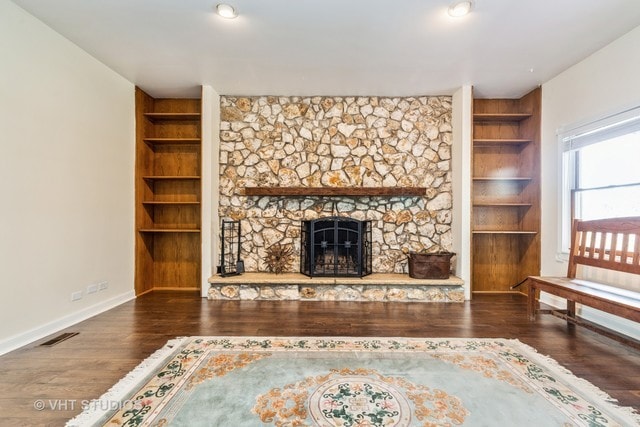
(111, 344)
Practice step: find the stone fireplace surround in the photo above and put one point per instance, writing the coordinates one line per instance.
(337, 142)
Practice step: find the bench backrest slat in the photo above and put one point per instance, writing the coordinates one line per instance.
(625, 247)
(613, 244)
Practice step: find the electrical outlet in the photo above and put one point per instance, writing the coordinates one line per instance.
(92, 288)
(103, 285)
(75, 296)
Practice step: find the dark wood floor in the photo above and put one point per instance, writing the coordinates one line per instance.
(113, 343)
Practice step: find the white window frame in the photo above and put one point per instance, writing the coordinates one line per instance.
(570, 140)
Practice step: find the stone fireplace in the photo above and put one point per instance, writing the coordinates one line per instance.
(337, 142)
(335, 247)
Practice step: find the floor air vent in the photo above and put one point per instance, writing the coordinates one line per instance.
(59, 339)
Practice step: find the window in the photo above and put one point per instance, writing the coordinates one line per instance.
(601, 170)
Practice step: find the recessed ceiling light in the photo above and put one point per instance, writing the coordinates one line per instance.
(226, 11)
(460, 8)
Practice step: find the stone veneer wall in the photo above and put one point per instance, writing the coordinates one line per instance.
(338, 142)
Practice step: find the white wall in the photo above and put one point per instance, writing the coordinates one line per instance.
(462, 123)
(604, 83)
(66, 181)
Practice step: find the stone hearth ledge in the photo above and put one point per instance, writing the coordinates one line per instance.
(374, 287)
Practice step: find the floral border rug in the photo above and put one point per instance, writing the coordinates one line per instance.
(335, 381)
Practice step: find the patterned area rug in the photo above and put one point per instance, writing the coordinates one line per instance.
(256, 381)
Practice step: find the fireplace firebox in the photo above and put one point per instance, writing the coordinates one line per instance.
(335, 247)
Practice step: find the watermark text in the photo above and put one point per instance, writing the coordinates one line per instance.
(75, 404)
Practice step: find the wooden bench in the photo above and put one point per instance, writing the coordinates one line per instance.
(612, 244)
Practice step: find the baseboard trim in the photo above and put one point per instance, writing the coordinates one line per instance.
(28, 337)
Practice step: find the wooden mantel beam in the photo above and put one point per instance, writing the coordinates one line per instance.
(336, 191)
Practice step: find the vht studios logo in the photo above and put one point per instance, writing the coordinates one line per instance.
(73, 404)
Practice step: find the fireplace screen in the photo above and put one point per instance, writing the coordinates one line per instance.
(335, 246)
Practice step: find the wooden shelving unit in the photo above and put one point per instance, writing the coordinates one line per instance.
(493, 142)
(172, 141)
(500, 117)
(157, 117)
(159, 202)
(497, 204)
(168, 193)
(169, 230)
(505, 193)
(502, 179)
(171, 178)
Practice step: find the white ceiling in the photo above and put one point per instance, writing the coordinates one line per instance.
(338, 47)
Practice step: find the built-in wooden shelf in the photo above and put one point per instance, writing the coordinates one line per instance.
(502, 178)
(505, 192)
(500, 117)
(170, 177)
(172, 141)
(172, 116)
(335, 191)
(169, 230)
(503, 232)
(499, 204)
(499, 142)
(159, 202)
(168, 214)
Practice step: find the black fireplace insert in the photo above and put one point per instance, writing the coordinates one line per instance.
(335, 247)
